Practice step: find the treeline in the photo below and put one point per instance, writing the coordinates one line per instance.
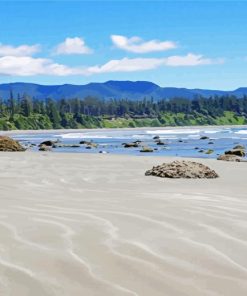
(25, 112)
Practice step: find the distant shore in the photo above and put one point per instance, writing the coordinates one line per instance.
(121, 129)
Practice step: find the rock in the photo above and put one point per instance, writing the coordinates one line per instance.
(209, 151)
(83, 142)
(201, 151)
(9, 145)
(204, 138)
(229, 157)
(182, 169)
(210, 143)
(180, 141)
(196, 148)
(103, 152)
(146, 149)
(160, 143)
(156, 138)
(241, 147)
(131, 145)
(45, 148)
(238, 152)
(47, 143)
(91, 144)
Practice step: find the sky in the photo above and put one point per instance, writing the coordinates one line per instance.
(192, 44)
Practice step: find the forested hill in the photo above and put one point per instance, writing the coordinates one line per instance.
(111, 89)
(25, 112)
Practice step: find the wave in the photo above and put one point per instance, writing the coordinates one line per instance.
(83, 136)
(174, 131)
(241, 132)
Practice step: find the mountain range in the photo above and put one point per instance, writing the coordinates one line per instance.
(133, 90)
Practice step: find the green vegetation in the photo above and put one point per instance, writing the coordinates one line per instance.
(29, 113)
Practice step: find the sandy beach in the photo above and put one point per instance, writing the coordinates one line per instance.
(95, 225)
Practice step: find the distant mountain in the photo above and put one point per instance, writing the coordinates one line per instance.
(110, 89)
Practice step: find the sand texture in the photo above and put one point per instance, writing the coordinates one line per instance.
(95, 225)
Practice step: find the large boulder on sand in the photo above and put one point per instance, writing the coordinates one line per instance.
(8, 144)
(182, 169)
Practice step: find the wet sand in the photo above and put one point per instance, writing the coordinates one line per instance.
(89, 224)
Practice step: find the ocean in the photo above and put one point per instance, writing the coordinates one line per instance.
(179, 141)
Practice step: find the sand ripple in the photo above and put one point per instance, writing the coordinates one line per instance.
(95, 225)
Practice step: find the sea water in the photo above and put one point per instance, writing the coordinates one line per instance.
(178, 141)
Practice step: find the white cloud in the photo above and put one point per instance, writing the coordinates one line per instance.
(190, 60)
(141, 64)
(28, 66)
(137, 45)
(74, 45)
(22, 50)
(126, 65)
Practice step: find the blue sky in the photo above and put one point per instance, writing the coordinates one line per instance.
(198, 44)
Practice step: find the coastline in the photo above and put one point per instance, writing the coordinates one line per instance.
(94, 224)
(120, 129)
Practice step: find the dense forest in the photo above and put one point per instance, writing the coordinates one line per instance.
(24, 112)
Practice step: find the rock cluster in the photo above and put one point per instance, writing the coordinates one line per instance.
(182, 169)
(239, 152)
(8, 144)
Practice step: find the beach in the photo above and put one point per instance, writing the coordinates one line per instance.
(94, 224)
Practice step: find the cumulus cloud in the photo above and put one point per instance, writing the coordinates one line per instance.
(74, 45)
(137, 45)
(22, 50)
(29, 66)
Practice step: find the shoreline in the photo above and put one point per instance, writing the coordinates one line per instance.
(119, 129)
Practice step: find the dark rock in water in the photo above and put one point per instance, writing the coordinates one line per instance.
(229, 157)
(45, 148)
(146, 149)
(131, 145)
(91, 144)
(210, 143)
(156, 138)
(47, 143)
(204, 138)
(88, 147)
(180, 141)
(238, 152)
(182, 169)
(196, 148)
(241, 147)
(137, 142)
(209, 151)
(9, 145)
(84, 142)
(103, 152)
(201, 151)
(160, 143)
